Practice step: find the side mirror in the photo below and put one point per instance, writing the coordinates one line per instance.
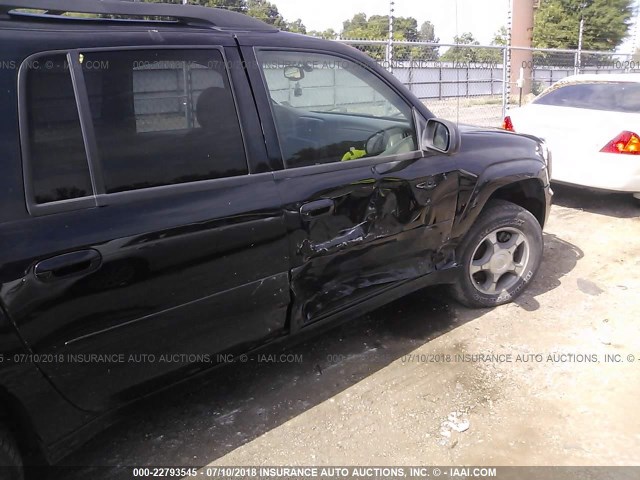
(441, 136)
(375, 144)
(293, 73)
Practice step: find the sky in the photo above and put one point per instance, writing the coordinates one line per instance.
(483, 18)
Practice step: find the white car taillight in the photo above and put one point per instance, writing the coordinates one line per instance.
(626, 143)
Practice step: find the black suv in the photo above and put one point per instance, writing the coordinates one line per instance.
(180, 184)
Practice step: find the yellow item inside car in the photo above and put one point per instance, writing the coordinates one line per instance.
(353, 154)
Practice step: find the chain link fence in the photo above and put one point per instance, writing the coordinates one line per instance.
(478, 84)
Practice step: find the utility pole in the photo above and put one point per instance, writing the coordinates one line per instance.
(390, 39)
(521, 53)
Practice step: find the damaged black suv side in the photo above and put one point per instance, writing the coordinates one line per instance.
(190, 182)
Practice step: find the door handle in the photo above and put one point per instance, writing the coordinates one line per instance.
(317, 208)
(68, 265)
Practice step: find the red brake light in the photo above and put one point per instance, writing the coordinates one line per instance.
(507, 124)
(626, 142)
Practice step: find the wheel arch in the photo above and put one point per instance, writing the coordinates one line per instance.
(517, 181)
(15, 418)
(528, 194)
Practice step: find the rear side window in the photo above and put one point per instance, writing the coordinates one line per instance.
(611, 96)
(58, 162)
(163, 117)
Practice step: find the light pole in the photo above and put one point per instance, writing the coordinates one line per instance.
(578, 61)
(635, 45)
(390, 39)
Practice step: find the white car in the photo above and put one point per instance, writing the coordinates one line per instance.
(591, 124)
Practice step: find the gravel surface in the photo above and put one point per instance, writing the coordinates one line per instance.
(395, 388)
(481, 111)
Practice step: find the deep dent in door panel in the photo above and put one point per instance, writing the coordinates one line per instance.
(391, 219)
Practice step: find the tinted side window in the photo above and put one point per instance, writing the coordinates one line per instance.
(329, 109)
(57, 157)
(611, 96)
(163, 117)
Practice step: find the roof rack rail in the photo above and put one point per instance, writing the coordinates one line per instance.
(186, 14)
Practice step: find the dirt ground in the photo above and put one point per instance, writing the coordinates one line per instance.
(388, 388)
(482, 111)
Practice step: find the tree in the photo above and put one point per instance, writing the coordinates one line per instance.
(501, 37)
(233, 5)
(260, 9)
(606, 23)
(494, 55)
(267, 12)
(473, 54)
(328, 34)
(297, 26)
(462, 54)
(427, 33)
(407, 27)
(376, 27)
(362, 28)
(359, 21)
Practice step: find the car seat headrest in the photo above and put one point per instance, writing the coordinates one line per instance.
(214, 107)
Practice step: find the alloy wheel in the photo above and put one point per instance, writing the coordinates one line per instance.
(499, 261)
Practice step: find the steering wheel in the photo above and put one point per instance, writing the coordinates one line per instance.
(390, 141)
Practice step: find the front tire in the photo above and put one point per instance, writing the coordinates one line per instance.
(10, 459)
(500, 256)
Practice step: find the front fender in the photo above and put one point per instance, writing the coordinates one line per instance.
(499, 175)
